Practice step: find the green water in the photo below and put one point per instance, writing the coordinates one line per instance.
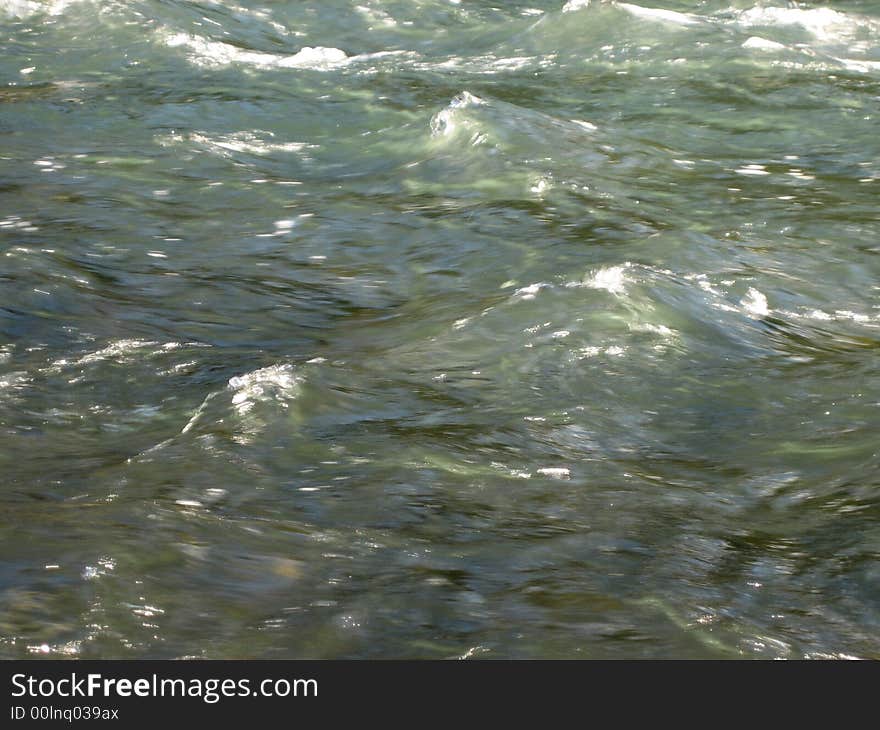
(419, 328)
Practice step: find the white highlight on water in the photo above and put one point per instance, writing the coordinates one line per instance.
(443, 122)
(274, 382)
(667, 16)
(555, 472)
(255, 142)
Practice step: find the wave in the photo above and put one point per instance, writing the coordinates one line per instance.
(823, 24)
(484, 149)
(578, 34)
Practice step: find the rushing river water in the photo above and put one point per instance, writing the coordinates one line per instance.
(439, 328)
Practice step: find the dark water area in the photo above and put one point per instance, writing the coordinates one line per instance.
(437, 328)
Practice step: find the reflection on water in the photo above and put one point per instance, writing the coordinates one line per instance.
(420, 328)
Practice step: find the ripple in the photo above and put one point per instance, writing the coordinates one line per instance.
(439, 329)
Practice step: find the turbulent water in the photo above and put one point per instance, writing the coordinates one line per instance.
(439, 328)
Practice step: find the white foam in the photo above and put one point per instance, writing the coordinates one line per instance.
(13, 381)
(573, 5)
(762, 44)
(511, 64)
(528, 292)
(120, 349)
(838, 315)
(541, 186)
(206, 52)
(639, 11)
(611, 279)
(854, 64)
(658, 329)
(585, 352)
(26, 8)
(555, 472)
(755, 303)
(18, 8)
(277, 382)
(822, 23)
(443, 123)
(854, 316)
(665, 16)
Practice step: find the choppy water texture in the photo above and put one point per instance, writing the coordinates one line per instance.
(439, 328)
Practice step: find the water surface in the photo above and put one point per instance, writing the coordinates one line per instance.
(439, 328)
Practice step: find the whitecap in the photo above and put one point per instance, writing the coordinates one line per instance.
(853, 64)
(573, 5)
(26, 8)
(755, 303)
(838, 315)
(555, 472)
(639, 11)
(822, 23)
(443, 122)
(206, 52)
(277, 383)
(763, 44)
(666, 16)
(611, 279)
(119, 350)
